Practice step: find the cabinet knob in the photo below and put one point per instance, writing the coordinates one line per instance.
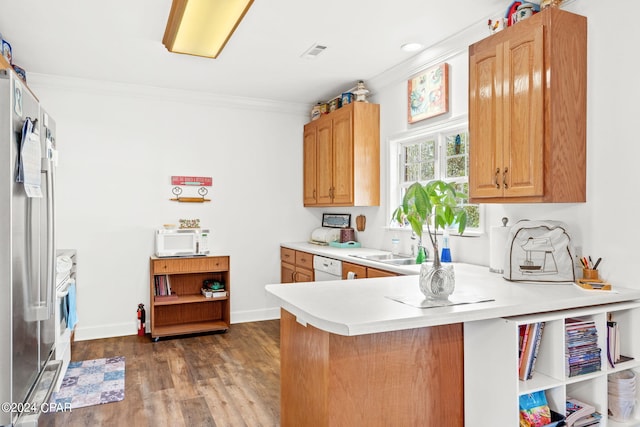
(496, 178)
(504, 178)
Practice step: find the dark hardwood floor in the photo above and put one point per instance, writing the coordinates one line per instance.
(229, 379)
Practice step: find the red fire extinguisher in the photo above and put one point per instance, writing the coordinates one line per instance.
(141, 320)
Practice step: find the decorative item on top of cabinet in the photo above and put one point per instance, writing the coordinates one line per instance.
(361, 92)
(342, 157)
(527, 111)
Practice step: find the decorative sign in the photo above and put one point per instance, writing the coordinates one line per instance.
(202, 181)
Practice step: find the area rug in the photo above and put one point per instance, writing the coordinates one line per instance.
(91, 382)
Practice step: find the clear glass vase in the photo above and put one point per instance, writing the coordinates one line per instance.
(437, 281)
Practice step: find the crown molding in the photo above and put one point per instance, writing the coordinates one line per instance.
(105, 88)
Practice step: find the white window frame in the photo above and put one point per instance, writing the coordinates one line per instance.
(437, 131)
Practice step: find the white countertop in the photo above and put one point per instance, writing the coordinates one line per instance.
(345, 254)
(356, 307)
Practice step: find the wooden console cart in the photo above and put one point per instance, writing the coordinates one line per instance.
(187, 311)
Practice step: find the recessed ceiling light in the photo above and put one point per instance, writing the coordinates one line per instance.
(411, 47)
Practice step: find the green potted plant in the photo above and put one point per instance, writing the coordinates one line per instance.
(435, 205)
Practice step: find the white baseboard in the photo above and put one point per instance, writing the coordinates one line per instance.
(131, 328)
(105, 331)
(255, 315)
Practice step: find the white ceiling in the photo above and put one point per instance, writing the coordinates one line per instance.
(121, 41)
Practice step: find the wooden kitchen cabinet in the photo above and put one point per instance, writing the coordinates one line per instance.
(362, 271)
(342, 157)
(187, 311)
(527, 111)
(375, 272)
(295, 266)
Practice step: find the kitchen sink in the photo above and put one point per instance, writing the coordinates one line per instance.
(401, 261)
(389, 258)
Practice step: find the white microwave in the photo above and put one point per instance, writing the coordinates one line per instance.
(182, 242)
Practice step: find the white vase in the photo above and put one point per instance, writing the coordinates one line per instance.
(437, 281)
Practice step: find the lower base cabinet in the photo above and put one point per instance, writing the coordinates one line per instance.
(492, 388)
(361, 272)
(295, 266)
(187, 310)
(411, 377)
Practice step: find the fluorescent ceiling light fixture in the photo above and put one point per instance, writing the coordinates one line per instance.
(411, 47)
(203, 27)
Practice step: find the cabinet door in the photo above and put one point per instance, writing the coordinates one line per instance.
(303, 275)
(374, 272)
(342, 158)
(310, 166)
(523, 101)
(304, 260)
(324, 165)
(287, 273)
(485, 116)
(506, 117)
(360, 271)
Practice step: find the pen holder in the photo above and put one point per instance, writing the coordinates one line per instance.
(589, 274)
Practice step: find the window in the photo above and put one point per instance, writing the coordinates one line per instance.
(433, 153)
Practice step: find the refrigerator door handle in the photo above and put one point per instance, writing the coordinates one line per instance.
(50, 285)
(51, 248)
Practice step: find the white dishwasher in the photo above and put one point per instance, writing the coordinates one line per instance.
(326, 268)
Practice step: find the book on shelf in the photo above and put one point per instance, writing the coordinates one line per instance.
(162, 286)
(613, 344)
(529, 347)
(582, 354)
(534, 409)
(577, 410)
(592, 420)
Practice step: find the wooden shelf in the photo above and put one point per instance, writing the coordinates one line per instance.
(191, 328)
(187, 299)
(191, 312)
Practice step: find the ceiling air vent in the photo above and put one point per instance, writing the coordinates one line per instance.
(315, 50)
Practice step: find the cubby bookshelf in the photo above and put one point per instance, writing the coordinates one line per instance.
(491, 363)
(187, 311)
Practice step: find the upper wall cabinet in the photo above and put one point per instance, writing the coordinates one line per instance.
(342, 157)
(527, 111)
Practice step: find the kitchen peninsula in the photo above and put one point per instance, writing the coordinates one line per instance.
(350, 355)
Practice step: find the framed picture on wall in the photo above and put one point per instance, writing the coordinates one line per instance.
(428, 93)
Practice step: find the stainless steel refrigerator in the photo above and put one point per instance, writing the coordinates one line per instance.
(27, 254)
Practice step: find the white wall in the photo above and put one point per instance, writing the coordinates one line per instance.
(603, 226)
(119, 146)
